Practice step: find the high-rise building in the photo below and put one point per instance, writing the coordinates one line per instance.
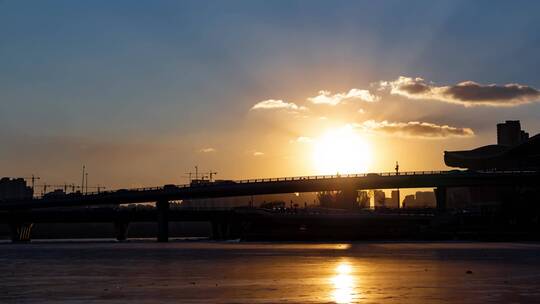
(363, 199)
(409, 201)
(425, 199)
(422, 199)
(379, 198)
(393, 200)
(15, 188)
(509, 133)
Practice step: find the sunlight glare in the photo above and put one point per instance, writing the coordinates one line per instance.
(341, 151)
(343, 284)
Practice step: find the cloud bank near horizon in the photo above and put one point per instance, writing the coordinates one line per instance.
(466, 93)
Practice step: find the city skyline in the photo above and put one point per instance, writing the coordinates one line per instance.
(145, 92)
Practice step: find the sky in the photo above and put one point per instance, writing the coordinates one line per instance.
(142, 91)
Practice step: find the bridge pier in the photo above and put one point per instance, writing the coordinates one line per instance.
(21, 232)
(348, 198)
(121, 230)
(440, 197)
(221, 230)
(162, 208)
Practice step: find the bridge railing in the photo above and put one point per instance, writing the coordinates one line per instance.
(315, 177)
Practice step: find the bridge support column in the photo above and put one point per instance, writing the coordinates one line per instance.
(121, 230)
(21, 232)
(221, 230)
(162, 208)
(348, 198)
(440, 197)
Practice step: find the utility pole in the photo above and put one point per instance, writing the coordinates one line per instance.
(82, 182)
(196, 172)
(398, 196)
(86, 183)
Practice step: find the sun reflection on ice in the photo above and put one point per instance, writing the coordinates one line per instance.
(344, 284)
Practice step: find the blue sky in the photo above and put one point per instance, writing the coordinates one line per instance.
(86, 81)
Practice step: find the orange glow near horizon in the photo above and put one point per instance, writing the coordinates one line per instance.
(341, 151)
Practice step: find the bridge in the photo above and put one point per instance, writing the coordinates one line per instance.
(348, 184)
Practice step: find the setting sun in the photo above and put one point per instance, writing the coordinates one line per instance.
(341, 151)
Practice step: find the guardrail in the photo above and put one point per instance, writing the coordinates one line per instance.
(315, 177)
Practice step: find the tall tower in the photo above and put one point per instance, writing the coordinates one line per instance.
(509, 133)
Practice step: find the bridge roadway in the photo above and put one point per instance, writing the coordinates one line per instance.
(19, 213)
(419, 179)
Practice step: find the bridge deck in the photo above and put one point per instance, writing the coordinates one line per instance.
(421, 179)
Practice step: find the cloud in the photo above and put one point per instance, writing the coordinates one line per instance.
(415, 129)
(302, 139)
(276, 104)
(258, 153)
(467, 93)
(207, 150)
(326, 97)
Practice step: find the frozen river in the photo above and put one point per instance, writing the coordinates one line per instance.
(221, 272)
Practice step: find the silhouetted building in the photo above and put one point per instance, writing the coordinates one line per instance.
(425, 199)
(363, 199)
(422, 199)
(393, 200)
(509, 133)
(15, 188)
(307, 198)
(409, 201)
(514, 151)
(379, 198)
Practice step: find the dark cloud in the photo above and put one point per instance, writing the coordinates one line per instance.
(415, 129)
(467, 93)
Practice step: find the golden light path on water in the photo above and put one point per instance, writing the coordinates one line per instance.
(344, 283)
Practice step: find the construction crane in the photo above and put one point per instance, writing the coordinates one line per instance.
(188, 175)
(211, 175)
(33, 180)
(65, 187)
(207, 175)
